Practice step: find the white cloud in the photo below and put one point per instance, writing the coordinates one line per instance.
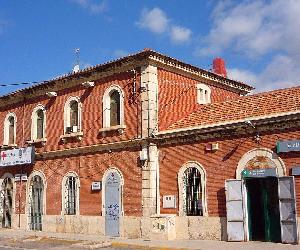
(91, 5)
(281, 72)
(180, 34)
(154, 20)
(257, 29)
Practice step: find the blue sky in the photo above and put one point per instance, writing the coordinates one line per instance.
(260, 40)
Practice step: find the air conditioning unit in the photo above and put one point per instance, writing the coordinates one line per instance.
(71, 129)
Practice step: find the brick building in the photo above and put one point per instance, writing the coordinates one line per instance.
(142, 147)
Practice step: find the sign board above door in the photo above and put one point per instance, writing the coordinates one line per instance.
(288, 146)
(259, 173)
(17, 156)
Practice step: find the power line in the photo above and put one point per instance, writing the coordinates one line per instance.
(16, 84)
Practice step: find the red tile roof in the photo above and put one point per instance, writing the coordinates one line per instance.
(245, 107)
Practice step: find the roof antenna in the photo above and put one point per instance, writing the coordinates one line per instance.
(76, 67)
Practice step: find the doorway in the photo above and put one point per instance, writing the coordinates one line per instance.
(7, 201)
(263, 209)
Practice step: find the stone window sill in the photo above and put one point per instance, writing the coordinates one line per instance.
(77, 135)
(38, 141)
(119, 128)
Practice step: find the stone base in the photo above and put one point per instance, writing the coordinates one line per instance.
(161, 227)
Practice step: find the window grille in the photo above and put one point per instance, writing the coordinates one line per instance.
(114, 108)
(40, 124)
(193, 192)
(70, 195)
(11, 130)
(7, 202)
(74, 114)
(36, 203)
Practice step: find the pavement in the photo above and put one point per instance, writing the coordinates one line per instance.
(20, 239)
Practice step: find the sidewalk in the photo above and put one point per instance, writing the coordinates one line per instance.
(96, 241)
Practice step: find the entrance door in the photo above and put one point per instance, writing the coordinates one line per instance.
(7, 189)
(36, 203)
(112, 204)
(263, 209)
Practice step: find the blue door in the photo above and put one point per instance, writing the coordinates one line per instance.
(112, 204)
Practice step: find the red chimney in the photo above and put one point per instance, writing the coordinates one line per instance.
(219, 66)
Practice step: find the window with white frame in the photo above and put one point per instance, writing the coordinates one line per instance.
(38, 124)
(192, 195)
(203, 94)
(71, 194)
(113, 107)
(72, 115)
(10, 129)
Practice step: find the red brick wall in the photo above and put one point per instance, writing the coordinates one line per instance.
(219, 166)
(92, 118)
(178, 97)
(89, 168)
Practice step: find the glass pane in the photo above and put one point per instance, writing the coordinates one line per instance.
(114, 108)
(74, 114)
(40, 124)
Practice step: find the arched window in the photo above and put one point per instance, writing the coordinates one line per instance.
(72, 115)
(38, 126)
(113, 107)
(71, 194)
(6, 200)
(10, 129)
(192, 193)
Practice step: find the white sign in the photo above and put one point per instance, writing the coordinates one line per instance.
(17, 156)
(96, 185)
(18, 177)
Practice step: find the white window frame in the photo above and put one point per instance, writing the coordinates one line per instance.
(67, 110)
(34, 123)
(6, 129)
(199, 167)
(106, 105)
(203, 94)
(64, 191)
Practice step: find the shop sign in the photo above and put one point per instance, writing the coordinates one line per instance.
(259, 173)
(296, 170)
(19, 177)
(17, 156)
(288, 146)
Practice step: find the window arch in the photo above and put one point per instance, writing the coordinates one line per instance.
(113, 107)
(192, 190)
(38, 123)
(203, 94)
(70, 194)
(10, 124)
(72, 115)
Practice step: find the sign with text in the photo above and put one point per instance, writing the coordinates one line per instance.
(296, 170)
(17, 156)
(288, 146)
(259, 173)
(96, 186)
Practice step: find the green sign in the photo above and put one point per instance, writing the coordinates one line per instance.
(259, 173)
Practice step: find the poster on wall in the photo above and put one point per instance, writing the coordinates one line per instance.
(17, 156)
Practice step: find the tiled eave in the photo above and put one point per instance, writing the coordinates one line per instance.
(261, 124)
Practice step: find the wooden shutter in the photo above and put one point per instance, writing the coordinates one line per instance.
(235, 210)
(287, 207)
